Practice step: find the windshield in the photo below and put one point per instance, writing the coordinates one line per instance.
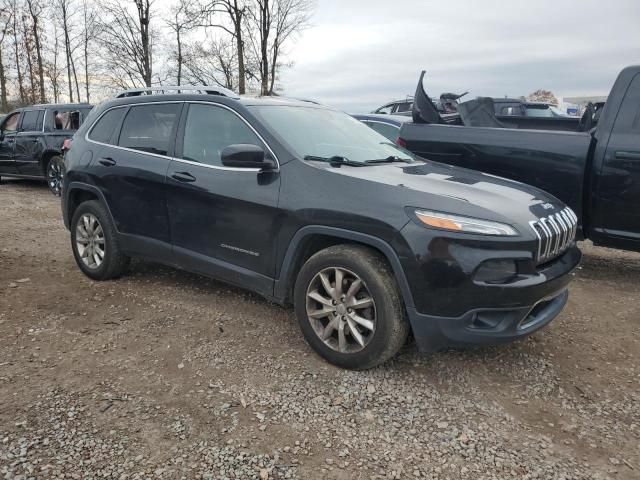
(318, 133)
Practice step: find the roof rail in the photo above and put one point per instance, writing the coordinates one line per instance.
(173, 89)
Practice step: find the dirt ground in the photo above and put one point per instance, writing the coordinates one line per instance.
(165, 374)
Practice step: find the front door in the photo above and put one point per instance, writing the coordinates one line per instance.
(618, 193)
(29, 144)
(223, 220)
(8, 132)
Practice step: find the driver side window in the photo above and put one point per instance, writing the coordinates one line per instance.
(209, 130)
(10, 125)
(386, 109)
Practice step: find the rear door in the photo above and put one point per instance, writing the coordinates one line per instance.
(8, 132)
(29, 143)
(223, 219)
(130, 167)
(617, 208)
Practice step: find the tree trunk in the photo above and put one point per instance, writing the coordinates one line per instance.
(264, 42)
(143, 17)
(29, 50)
(17, 55)
(237, 24)
(36, 37)
(179, 55)
(67, 48)
(3, 86)
(86, 67)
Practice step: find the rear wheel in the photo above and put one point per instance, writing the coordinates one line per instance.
(95, 243)
(349, 307)
(55, 174)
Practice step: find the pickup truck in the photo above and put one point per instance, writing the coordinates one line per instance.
(31, 140)
(596, 173)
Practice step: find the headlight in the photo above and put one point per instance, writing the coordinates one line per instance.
(457, 223)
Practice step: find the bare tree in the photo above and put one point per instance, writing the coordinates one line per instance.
(27, 37)
(272, 24)
(6, 17)
(214, 13)
(126, 39)
(16, 8)
(89, 29)
(212, 62)
(181, 22)
(35, 11)
(52, 67)
(64, 7)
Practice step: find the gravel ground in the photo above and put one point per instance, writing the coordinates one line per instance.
(164, 374)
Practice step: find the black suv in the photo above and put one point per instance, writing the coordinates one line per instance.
(306, 205)
(31, 141)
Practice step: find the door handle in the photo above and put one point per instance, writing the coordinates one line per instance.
(184, 177)
(107, 161)
(627, 155)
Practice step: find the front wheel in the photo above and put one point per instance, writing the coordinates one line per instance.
(349, 307)
(55, 174)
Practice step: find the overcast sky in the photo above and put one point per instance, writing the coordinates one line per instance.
(360, 54)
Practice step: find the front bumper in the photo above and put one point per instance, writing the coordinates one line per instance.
(484, 327)
(451, 308)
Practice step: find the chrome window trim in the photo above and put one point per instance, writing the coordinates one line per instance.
(181, 160)
(366, 120)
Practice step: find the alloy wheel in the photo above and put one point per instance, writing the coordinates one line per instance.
(54, 177)
(341, 310)
(90, 241)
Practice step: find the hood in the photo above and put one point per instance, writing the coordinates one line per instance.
(436, 186)
(424, 111)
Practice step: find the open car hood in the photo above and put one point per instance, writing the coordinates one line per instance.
(424, 111)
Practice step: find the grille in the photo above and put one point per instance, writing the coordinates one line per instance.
(555, 233)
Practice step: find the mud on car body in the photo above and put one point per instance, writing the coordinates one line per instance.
(306, 205)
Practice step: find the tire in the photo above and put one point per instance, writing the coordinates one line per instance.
(113, 262)
(54, 172)
(378, 297)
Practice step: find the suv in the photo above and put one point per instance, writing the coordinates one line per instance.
(31, 141)
(396, 107)
(306, 205)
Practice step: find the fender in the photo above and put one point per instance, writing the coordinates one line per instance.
(286, 271)
(87, 188)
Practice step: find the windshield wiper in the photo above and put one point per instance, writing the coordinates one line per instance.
(336, 160)
(389, 159)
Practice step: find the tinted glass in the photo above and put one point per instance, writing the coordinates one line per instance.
(104, 129)
(389, 131)
(320, 132)
(404, 107)
(11, 123)
(148, 127)
(209, 130)
(30, 121)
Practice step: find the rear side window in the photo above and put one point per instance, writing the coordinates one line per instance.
(209, 130)
(30, 121)
(148, 127)
(66, 119)
(104, 129)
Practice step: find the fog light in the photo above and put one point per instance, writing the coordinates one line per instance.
(496, 271)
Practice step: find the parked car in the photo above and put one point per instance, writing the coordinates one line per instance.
(396, 107)
(596, 173)
(31, 140)
(306, 205)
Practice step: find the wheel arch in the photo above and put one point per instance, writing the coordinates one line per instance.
(313, 238)
(45, 157)
(76, 194)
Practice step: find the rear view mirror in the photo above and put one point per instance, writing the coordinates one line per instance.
(246, 156)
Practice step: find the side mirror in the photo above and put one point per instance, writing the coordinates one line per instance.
(246, 156)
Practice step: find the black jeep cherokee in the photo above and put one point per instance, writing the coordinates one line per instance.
(31, 140)
(306, 205)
